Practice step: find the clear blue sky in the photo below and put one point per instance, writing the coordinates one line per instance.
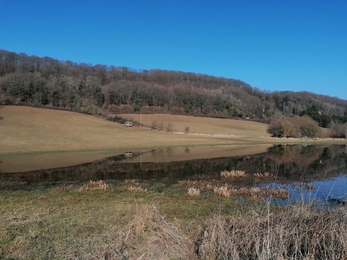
(298, 45)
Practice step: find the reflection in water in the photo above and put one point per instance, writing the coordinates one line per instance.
(322, 168)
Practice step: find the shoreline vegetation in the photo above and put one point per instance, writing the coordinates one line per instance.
(125, 220)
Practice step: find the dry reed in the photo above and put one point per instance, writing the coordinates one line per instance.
(137, 189)
(95, 185)
(233, 174)
(294, 233)
(253, 192)
(149, 236)
(193, 192)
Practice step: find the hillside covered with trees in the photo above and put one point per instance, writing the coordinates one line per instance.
(104, 90)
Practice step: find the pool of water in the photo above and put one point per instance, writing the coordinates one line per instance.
(308, 172)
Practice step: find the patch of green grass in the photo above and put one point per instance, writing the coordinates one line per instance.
(66, 222)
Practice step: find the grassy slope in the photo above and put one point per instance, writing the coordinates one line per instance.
(26, 129)
(33, 130)
(205, 125)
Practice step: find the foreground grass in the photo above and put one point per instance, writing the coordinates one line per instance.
(82, 222)
(67, 222)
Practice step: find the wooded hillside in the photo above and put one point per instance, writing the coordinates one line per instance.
(102, 89)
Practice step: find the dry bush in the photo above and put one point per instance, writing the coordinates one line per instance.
(233, 174)
(193, 192)
(294, 233)
(150, 237)
(95, 185)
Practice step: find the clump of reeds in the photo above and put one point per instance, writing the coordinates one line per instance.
(149, 236)
(193, 192)
(280, 193)
(253, 192)
(134, 187)
(137, 189)
(131, 182)
(292, 233)
(233, 174)
(224, 191)
(262, 176)
(95, 185)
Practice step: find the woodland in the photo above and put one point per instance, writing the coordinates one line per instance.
(109, 90)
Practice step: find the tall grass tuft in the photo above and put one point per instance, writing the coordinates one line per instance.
(233, 174)
(149, 236)
(193, 192)
(95, 185)
(293, 233)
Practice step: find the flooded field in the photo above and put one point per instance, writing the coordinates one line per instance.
(284, 173)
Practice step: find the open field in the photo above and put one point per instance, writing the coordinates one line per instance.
(34, 130)
(205, 125)
(26, 129)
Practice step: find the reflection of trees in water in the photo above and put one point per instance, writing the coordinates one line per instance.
(296, 163)
(309, 160)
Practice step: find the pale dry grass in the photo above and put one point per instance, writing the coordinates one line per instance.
(233, 174)
(228, 191)
(193, 192)
(137, 189)
(150, 236)
(133, 186)
(252, 192)
(95, 185)
(292, 233)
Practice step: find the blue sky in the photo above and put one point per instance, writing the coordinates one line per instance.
(274, 45)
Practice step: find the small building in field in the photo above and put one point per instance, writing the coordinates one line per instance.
(128, 124)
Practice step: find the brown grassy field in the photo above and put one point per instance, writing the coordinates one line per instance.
(27, 129)
(205, 125)
(30, 130)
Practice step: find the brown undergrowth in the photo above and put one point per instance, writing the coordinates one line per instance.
(292, 233)
(149, 236)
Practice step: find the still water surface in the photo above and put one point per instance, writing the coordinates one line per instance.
(308, 172)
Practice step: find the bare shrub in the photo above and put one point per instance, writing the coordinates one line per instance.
(169, 128)
(294, 233)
